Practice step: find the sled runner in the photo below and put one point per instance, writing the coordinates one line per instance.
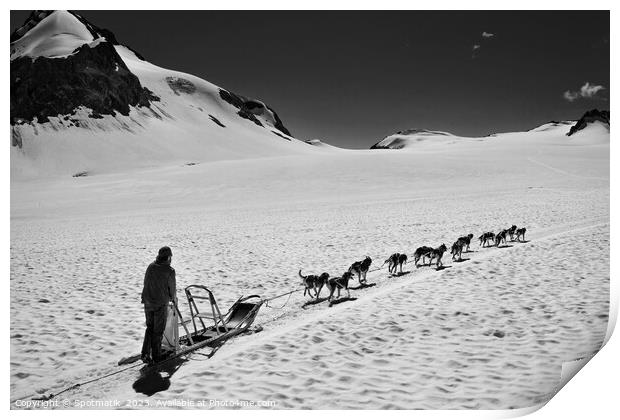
(210, 327)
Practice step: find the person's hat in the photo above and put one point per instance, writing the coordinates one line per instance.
(164, 252)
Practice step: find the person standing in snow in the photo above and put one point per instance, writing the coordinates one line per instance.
(159, 289)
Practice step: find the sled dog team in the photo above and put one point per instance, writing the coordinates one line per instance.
(496, 239)
(315, 283)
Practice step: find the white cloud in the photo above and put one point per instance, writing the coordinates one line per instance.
(476, 47)
(586, 91)
(571, 96)
(474, 50)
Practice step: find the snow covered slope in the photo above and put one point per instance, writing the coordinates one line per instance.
(408, 138)
(322, 145)
(553, 125)
(83, 103)
(59, 35)
(500, 323)
(491, 331)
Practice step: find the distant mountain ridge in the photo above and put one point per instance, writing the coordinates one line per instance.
(402, 138)
(410, 137)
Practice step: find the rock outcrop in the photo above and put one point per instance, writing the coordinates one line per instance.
(588, 118)
(94, 77)
(249, 108)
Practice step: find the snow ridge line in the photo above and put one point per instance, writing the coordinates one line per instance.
(404, 281)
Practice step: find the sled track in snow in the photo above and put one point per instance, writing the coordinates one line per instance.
(423, 274)
(563, 172)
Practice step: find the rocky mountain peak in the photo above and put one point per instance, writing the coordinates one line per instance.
(588, 118)
(60, 61)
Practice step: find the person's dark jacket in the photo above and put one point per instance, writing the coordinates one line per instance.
(159, 285)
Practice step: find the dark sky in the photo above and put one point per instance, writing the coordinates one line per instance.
(351, 78)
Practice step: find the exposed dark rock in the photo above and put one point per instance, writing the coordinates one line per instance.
(378, 146)
(280, 135)
(248, 108)
(32, 20)
(249, 116)
(80, 174)
(257, 108)
(94, 77)
(180, 85)
(589, 117)
(420, 131)
(237, 102)
(16, 138)
(279, 125)
(251, 105)
(232, 99)
(215, 120)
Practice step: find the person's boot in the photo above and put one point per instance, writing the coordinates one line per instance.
(147, 359)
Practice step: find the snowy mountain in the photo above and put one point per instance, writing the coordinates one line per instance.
(410, 137)
(82, 102)
(589, 118)
(322, 145)
(552, 125)
(414, 139)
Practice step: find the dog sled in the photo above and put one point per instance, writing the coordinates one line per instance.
(209, 327)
